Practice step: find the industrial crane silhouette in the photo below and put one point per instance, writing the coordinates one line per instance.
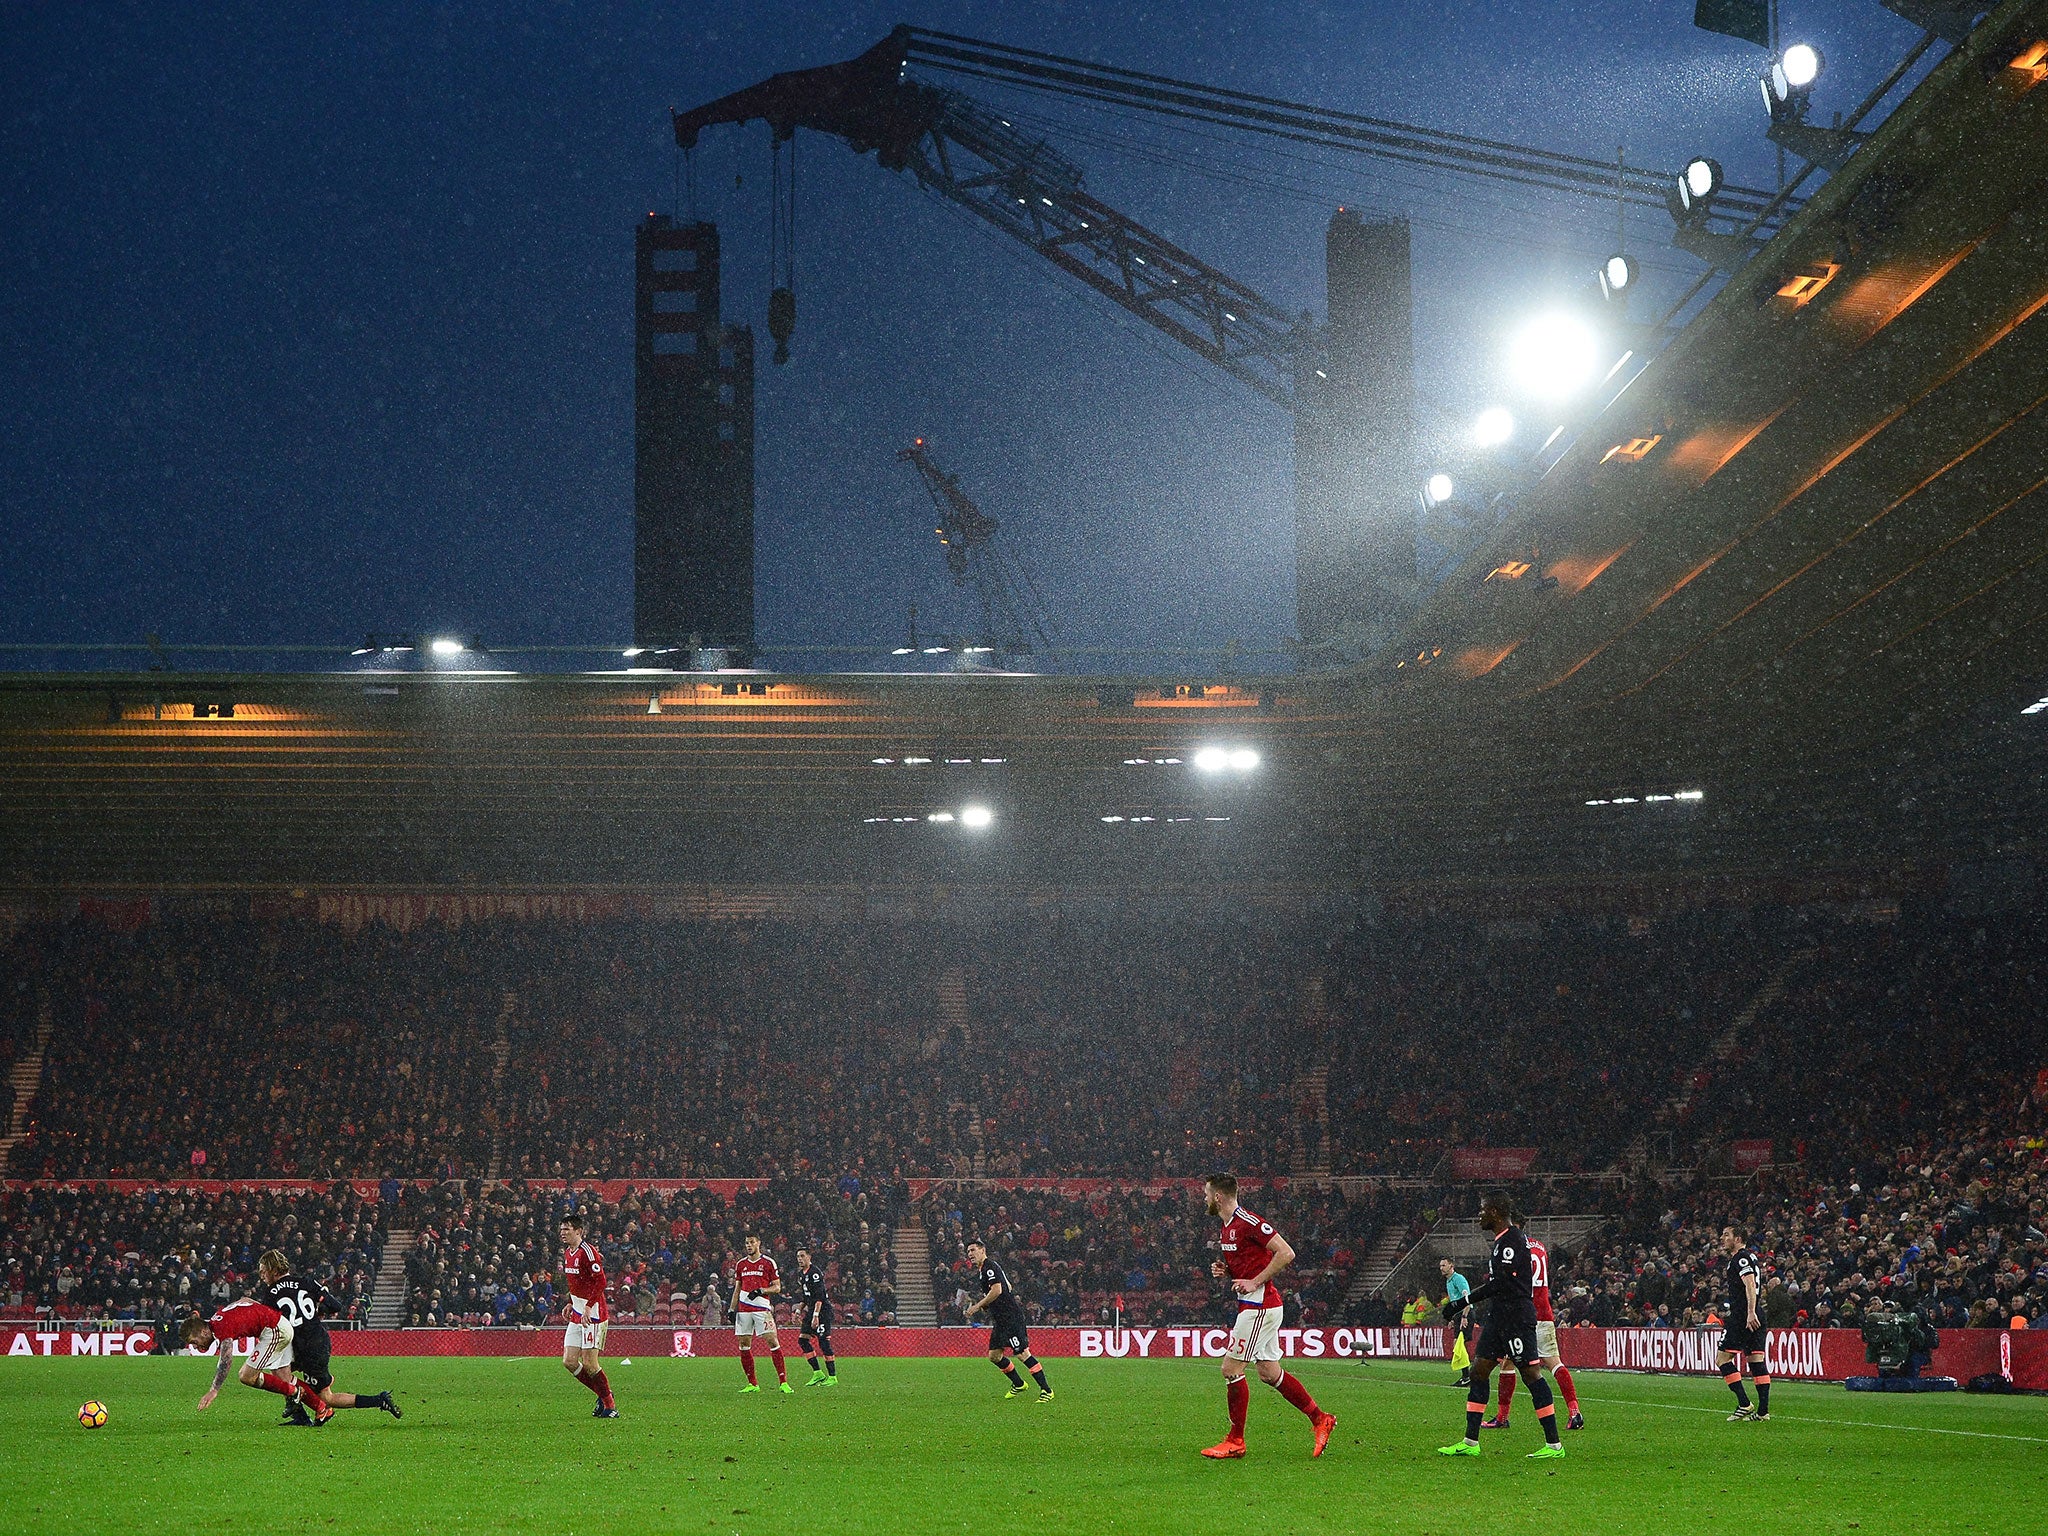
(1013, 616)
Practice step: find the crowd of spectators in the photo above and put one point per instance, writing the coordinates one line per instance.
(196, 1047)
(488, 1255)
(1561, 1035)
(158, 1255)
(1076, 1257)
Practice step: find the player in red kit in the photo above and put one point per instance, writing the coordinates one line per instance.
(1252, 1254)
(756, 1282)
(588, 1313)
(269, 1365)
(1548, 1355)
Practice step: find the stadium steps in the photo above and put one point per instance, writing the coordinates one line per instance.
(1459, 1239)
(26, 1077)
(501, 1053)
(1379, 1263)
(1729, 1041)
(1312, 1094)
(916, 1307)
(387, 1293)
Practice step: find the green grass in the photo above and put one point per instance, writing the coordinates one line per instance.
(906, 1446)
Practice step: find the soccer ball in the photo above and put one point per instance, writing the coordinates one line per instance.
(92, 1415)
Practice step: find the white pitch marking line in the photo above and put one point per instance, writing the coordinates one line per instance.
(1791, 1418)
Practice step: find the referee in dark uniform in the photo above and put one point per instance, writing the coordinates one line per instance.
(814, 1321)
(1007, 1336)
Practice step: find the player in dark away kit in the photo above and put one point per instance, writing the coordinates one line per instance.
(1745, 1335)
(301, 1302)
(1007, 1336)
(1510, 1331)
(814, 1321)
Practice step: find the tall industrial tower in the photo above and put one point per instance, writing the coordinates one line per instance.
(693, 447)
(1354, 445)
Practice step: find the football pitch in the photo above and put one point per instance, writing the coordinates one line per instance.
(925, 1445)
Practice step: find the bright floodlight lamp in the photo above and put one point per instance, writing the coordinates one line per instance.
(1212, 759)
(1788, 82)
(1554, 356)
(976, 816)
(443, 646)
(1244, 759)
(1438, 489)
(1618, 277)
(1493, 427)
(1802, 65)
(1696, 186)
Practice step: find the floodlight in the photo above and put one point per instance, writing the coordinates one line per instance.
(1438, 488)
(1554, 356)
(940, 816)
(1801, 64)
(1694, 187)
(1494, 427)
(446, 647)
(976, 816)
(1212, 759)
(1244, 759)
(1618, 276)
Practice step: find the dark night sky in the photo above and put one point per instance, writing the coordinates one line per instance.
(317, 319)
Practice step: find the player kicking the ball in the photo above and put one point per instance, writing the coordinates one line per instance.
(1253, 1253)
(1510, 1332)
(588, 1313)
(756, 1282)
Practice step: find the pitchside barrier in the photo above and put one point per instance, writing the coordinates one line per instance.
(1792, 1354)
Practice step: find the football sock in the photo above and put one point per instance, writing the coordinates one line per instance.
(595, 1381)
(1732, 1374)
(1239, 1394)
(367, 1400)
(603, 1387)
(781, 1371)
(1010, 1371)
(747, 1364)
(1564, 1385)
(812, 1356)
(1507, 1391)
(1474, 1412)
(1037, 1372)
(282, 1385)
(831, 1366)
(1291, 1388)
(1763, 1391)
(1546, 1408)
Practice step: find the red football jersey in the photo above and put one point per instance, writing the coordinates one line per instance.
(243, 1320)
(1539, 1281)
(1245, 1237)
(583, 1273)
(754, 1275)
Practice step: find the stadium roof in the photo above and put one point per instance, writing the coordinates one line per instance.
(1795, 574)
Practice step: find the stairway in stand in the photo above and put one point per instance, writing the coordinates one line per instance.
(1380, 1259)
(1730, 1039)
(915, 1305)
(387, 1294)
(1311, 1155)
(501, 1053)
(26, 1079)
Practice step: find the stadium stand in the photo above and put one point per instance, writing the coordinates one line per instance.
(94, 1252)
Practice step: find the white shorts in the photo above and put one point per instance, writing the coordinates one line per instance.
(1546, 1341)
(748, 1324)
(1255, 1335)
(273, 1351)
(582, 1335)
